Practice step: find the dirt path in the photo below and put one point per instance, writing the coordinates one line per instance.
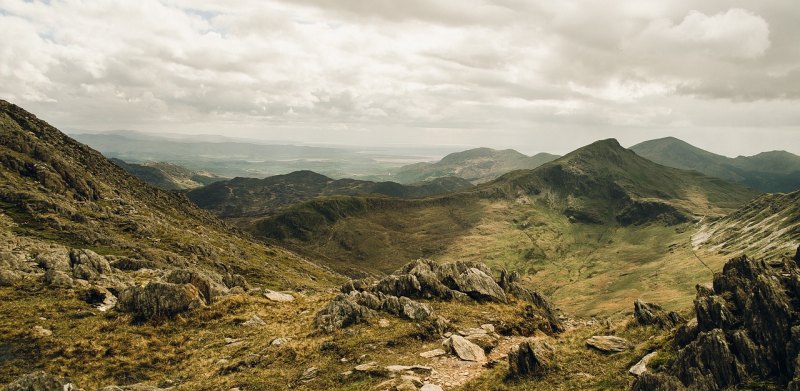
(449, 371)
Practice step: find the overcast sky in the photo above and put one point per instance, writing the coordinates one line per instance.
(530, 75)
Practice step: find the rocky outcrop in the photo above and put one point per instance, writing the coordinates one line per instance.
(88, 265)
(209, 284)
(530, 358)
(344, 310)
(748, 329)
(652, 314)
(426, 279)
(40, 381)
(159, 300)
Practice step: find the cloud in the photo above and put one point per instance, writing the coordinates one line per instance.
(505, 73)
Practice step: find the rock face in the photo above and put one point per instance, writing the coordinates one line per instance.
(159, 299)
(530, 358)
(748, 328)
(464, 349)
(426, 279)
(608, 343)
(652, 314)
(40, 381)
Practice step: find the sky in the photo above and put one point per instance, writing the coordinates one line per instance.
(535, 76)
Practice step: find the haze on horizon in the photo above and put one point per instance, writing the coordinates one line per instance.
(529, 75)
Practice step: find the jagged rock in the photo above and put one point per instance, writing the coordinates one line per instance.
(57, 279)
(479, 285)
(209, 284)
(88, 265)
(652, 314)
(649, 381)
(40, 381)
(464, 349)
(748, 329)
(159, 299)
(641, 367)
(278, 296)
(406, 308)
(344, 310)
(686, 333)
(433, 353)
(530, 358)
(402, 285)
(608, 343)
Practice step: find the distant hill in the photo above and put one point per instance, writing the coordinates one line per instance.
(775, 171)
(168, 176)
(477, 165)
(241, 197)
(767, 227)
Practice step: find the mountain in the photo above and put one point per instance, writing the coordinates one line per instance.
(776, 171)
(168, 176)
(240, 197)
(477, 165)
(767, 227)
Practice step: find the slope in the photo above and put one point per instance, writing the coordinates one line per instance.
(477, 165)
(776, 171)
(241, 197)
(168, 176)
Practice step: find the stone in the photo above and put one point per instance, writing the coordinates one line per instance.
(159, 299)
(309, 374)
(8, 277)
(40, 331)
(530, 358)
(464, 349)
(649, 381)
(487, 342)
(686, 333)
(278, 296)
(641, 367)
(479, 285)
(40, 381)
(208, 283)
(433, 353)
(279, 341)
(406, 308)
(88, 265)
(371, 369)
(344, 310)
(430, 387)
(405, 385)
(652, 314)
(57, 279)
(254, 321)
(608, 343)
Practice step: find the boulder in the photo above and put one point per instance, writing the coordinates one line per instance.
(159, 299)
(40, 381)
(464, 349)
(530, 358)
(57, 279)
(88, 265)
(208, 283)
(652, 314)
(278, 296)
(641, 367)
(479, 285)
(54, 260)
(406, 308)
(431, 387)
(608, 343)
(344, 310)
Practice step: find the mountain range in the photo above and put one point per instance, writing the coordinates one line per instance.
(168, 176)
(775, 171)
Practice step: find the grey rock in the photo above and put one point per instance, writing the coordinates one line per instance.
(406, 308)
(57, 279)
(278, 296)
(433, 353)
(530, 358)
(40, 381)
(8, 277)
(88, 265)
(208, 283)
(344, 310)
(608, 343)
(159, 299)
(464, 349)
(652, 314)
(641, 367)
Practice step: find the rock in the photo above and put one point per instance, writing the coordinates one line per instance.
(40, 381)
(57, 279)
(419, 369)
(309, 374)
(487, 342)
(430, 387)
(99, 297)
(488, 328)
(406, 308)
(641, 367)
(686, 333)
(8, 278)
(279, 341)
(254, 321)
(479, 285)
(437, 327)
(415, 380)
(383, 323)
(608, 343)
(40, 331)
(88, 265)
(278, 296)
(344, 310)
(464, 349)
(530, 358)
(404, 386)
(55, 260)
(433, 353)
(209, 284)
(159, 299)
(747, 331)
(372, 369)
(649, 381)
(652, 314)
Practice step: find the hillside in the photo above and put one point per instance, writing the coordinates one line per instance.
(775, 171)
(573, 226)
(242, 197)
(168, 176)
(477, 165)
(767, 227)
